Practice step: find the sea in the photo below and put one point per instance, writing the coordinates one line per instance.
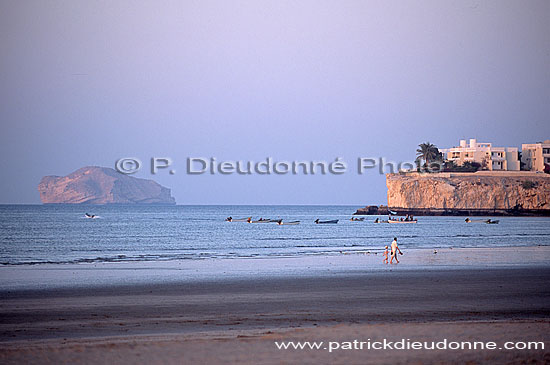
(59, 234)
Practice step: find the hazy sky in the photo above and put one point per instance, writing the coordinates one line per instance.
(88, 82)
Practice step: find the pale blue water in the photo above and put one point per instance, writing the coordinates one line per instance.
(61, 234)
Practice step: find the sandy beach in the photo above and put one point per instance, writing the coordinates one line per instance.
(222, 182)
(237, 317)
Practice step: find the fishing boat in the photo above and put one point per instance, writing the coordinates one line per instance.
(334, 221)
(396, 221)
(487, 221)
(468, 220)
(261, 220)
(293, 223)
(231, 219)
(357, 219)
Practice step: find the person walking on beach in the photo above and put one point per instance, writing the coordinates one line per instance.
(394, 250)
(386, 255)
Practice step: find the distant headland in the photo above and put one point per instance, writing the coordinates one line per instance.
(101, 185)
(471, 179)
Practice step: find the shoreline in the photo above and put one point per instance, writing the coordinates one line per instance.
(350, 262)
(232, 310)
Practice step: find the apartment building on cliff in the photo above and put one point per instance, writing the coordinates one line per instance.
(536, 156)
(490, 158)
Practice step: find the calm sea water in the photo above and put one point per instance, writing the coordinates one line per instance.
(61, 234)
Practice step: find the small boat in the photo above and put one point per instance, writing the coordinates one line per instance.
(261, 220)
(488, 221)
(231, 219)
(357, 219)
(378, 220)
(396, 221)
(293, 223)
(334, 221)
(468, 220)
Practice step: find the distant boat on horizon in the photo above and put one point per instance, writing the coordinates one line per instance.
(487, 221)
(334, 221)
(261, 220)
(231, 219)
(292, 223)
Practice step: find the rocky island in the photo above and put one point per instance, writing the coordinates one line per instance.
(101, 185)
(481, 193)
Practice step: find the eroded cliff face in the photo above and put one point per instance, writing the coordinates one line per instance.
(100, 185)
(469, 191)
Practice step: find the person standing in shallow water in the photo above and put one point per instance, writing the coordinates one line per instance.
(394, 250)
(386, 255)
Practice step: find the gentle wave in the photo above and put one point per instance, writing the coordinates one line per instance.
(141, 258)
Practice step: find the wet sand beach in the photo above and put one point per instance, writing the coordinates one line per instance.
(238, 318)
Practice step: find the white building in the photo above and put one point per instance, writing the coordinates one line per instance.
(490, 158)
(536, 155)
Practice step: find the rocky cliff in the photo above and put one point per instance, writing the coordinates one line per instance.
(100, 185)
(483, 191)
